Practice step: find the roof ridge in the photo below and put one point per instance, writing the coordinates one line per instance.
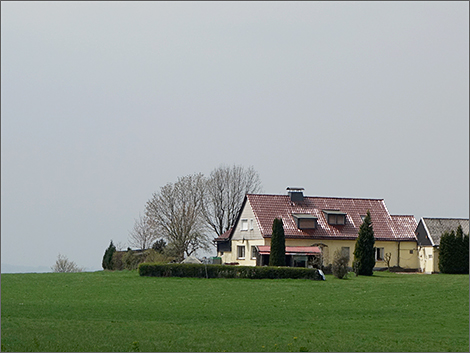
(322, 197)
(463, 219)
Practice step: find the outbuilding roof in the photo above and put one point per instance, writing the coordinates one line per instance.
(436, 226)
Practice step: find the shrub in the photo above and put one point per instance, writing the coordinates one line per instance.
(159, 245)
(277, 256)
(63, 264)
(131, 259)
(453, 252)
(107, 262)
(118, 264)
(364, 257)
(223, 271)
(340, 265)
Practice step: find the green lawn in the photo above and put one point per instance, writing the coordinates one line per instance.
(120, 311)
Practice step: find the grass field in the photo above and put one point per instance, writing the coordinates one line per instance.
(120, 311)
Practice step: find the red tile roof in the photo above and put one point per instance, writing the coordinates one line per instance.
(225, 236)
(386, 227)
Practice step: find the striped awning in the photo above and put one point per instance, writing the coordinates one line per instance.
(291, 250)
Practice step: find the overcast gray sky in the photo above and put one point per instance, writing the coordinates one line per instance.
(105, 102)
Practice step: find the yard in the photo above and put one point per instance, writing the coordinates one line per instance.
(121, 311)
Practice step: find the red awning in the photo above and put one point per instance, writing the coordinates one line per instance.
(291, 250)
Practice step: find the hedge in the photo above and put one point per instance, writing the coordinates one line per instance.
(224, 271)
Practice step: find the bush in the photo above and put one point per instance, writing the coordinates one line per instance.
(340, 265)
(107, 262)
(278, 244)
(131, 259)
(118, 264)
(223, 271)
(453, 252)
(364, 257)
(63, 264)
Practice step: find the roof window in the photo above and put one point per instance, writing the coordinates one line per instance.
(335, 217)
(305, 221)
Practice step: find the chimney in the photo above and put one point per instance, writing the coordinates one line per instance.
(296, 194)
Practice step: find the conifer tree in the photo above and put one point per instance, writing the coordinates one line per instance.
(278, 244)
(364, 251)
(447, 252)
(465, 254)
(459, 252)
(107, 262)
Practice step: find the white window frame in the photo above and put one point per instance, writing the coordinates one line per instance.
(253, 252)
(240, 247)
(251, 223)
(244, 225)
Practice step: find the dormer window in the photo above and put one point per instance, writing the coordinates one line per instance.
(305, 221)
(335, 217)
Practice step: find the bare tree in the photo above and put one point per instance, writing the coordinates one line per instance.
(142, 235)
(176, 213)
(226, 188)
(387, 259)
(63, 264)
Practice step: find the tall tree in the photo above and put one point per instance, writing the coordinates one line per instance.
(226, 188)
(107, 262)
(176, 213)
(277, 255)
(453, 252)
(447, 252)
(465, 250)
(142, 235)
(364, 251)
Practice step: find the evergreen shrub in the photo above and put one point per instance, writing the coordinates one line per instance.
(224, 271)
(277, 255)
(364, 252)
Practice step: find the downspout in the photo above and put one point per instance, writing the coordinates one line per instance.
(398, 255)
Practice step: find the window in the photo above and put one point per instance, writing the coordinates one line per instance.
(251, 224)
(411, 251)
(254, 252)
(305, 221)
(430, 256)
(345, 251)
(240, 251)
(379, 254)
(244, 224)
(335, 217)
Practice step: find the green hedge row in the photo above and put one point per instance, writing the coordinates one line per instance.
(224, 271)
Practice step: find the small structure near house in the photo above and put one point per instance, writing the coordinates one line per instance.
(191, 260)
(428, 233)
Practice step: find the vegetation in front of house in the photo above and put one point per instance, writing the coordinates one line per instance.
(122, 311)
(340, 264)
(364, 257)
(453, 252)
(277, 255)
(225, 271)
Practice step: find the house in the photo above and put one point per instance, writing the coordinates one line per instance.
(315, 227)
(428, 234)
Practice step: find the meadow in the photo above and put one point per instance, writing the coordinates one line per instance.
(121, 311)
